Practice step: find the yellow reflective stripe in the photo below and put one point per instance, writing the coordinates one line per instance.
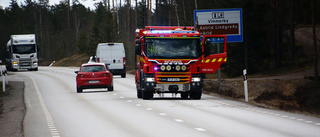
(213, 60)
(220, 59)
(201, 61)
(207, 60)
(142, 59)
(225, 60)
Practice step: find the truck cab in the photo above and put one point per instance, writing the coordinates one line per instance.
(22, 51)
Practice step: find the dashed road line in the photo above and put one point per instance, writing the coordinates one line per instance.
(200, 129)
(49, 119)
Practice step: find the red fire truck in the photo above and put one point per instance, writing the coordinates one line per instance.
(175, 59)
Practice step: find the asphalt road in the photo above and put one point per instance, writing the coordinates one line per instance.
(55, 109)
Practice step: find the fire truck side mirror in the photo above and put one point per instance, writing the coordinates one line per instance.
(138, 49)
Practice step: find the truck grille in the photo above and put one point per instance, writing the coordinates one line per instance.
(25, 62)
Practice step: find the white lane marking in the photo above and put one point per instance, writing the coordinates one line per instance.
(138, 105)
(178, 120)
(121, 97)
(114, 94)
(162, 114)
(129, 100)
(318, 124)
(149, 108)
(45, 110)
(200, 129)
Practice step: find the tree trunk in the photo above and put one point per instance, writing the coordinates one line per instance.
(292, 26)
(314, 42)
(176, 9)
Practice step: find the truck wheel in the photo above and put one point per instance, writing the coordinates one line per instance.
(184, 95)
(79, 90)
(139, 93)
(196, 95)
(147, 94)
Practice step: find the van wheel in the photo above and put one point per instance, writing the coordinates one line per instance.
(123, 75)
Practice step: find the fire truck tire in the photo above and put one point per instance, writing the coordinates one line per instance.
(139, 93)
(146, 94)
(195, 95)
(184, 95)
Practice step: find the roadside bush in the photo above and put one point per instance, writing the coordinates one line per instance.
(308, 97)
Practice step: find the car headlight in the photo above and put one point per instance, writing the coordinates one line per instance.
(196, 79)
(150, 79)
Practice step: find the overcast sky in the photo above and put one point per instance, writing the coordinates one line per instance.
(86, 3)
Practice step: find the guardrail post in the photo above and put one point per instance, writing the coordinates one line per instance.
(3, 80)
(245, 84)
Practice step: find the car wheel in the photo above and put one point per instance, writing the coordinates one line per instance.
(79, 90)
(110, 88)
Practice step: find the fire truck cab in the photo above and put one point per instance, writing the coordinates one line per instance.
(175, 59)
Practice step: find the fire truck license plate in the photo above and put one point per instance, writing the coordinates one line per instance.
(173, 79)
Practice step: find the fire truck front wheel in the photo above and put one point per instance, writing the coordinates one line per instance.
(147, 94)
(139, 93)
(196, 95)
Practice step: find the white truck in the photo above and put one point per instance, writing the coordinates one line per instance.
(22, 51)
(113, 55)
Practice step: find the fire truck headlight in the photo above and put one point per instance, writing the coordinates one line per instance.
(178, 68)
(184, 68)
(168, 68)
(196, 79)
(163, 68)
(150, 79)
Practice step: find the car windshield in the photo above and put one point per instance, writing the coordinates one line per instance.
(95, 68)
(24, 49)
(173, 48)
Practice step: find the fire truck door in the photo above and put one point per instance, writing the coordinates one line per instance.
(215, 52)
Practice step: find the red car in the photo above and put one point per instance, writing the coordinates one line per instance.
(94, 75)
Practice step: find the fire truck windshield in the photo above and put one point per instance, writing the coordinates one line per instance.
(159, 48)
(24, 49)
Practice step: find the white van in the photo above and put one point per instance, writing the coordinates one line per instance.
(112, 54)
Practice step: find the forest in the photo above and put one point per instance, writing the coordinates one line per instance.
(66, 29)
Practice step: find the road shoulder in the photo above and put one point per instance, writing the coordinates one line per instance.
(13, 110)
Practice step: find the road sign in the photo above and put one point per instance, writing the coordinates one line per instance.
(220, 21)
